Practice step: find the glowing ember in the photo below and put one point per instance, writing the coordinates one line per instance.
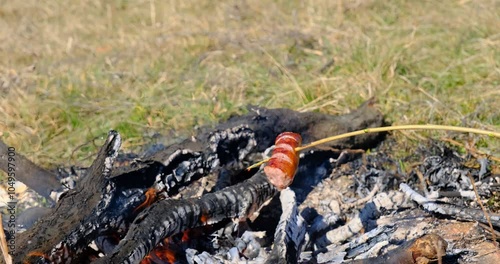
(150, 198)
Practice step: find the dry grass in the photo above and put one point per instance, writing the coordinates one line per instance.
(71, 70)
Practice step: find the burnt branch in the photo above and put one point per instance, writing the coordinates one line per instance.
(169, 217)
(457, 212)
(76, 205)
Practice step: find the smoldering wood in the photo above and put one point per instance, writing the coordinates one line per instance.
(76, 205)
(320, 170)
(258, 130)
(228, 145)
(169, 217)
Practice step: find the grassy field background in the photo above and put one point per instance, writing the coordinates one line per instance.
(72, 70)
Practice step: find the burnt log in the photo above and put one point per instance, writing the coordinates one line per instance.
(169, 217)
(104, 202)
(73, 207)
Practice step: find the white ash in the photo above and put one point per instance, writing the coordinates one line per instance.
(290, 232)
(233, 254)
(183, 164)
(373, 251)
(249, 244)
(484, 167)
(335, 254)
(176, 154)
(112, 153)
(457, 212)
(471, 195)
(321, 223)
(193, 257)
(365, 218)
(446, 171)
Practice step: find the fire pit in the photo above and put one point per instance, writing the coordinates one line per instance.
(195, 202)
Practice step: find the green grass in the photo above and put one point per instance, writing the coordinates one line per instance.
(145, 67)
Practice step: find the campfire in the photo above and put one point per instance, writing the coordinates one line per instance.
(197, 201)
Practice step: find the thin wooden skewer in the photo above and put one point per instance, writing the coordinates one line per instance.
(385, 129)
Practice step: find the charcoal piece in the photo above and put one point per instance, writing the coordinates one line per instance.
(179, 169)
(121, 197)
(249, 244)
(445, 170)
(231, 145)
(224, 179)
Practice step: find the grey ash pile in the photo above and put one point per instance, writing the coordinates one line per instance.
(195, 202)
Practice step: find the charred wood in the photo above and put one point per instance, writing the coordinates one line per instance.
(72, 210)
(169, 217)
(290, 231)
(457, 212)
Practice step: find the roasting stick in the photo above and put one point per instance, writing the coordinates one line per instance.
(284, 160)
(386, 129)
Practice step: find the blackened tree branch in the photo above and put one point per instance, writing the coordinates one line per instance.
(76, 205)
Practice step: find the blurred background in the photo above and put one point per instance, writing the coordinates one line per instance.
(72, 70)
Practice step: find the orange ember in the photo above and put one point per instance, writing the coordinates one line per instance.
(150, 198)
(163, 253)
(37, 254)
(185, 236)
(204, 218)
